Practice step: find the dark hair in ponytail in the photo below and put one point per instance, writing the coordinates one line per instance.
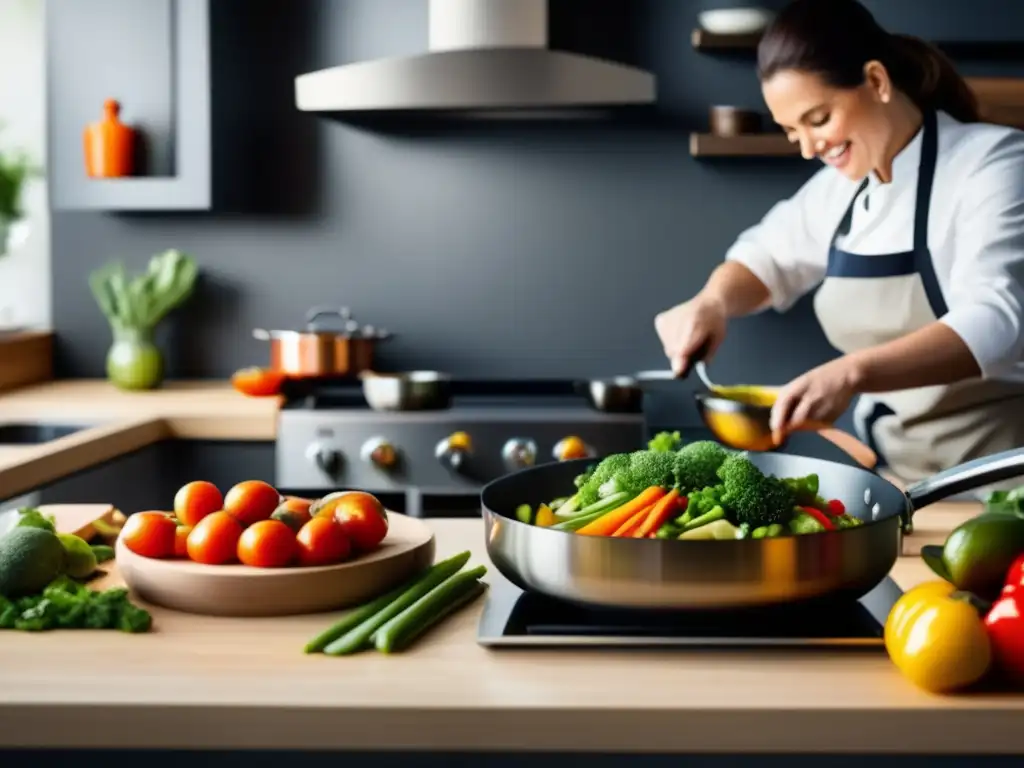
(834, 39)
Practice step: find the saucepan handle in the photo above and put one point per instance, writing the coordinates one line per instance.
(967, 477)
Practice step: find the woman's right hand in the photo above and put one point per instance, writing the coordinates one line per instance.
(687, 327)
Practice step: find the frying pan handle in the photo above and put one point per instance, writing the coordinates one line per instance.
(967, 477)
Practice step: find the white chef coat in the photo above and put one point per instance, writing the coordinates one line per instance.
(975, 234)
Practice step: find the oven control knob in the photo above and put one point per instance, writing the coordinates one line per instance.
(571, 447)
(453, 450)
(380, 453)
(327, 458)
(519, 453)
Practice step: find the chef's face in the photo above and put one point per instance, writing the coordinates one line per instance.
(846, 127)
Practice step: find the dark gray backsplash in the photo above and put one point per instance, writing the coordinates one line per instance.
(493, 250)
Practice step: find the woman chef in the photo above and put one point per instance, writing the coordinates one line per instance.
(914, 230)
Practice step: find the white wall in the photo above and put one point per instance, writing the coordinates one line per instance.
(25, 273)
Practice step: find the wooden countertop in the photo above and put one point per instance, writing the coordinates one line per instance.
(121, 422)
(204, 682)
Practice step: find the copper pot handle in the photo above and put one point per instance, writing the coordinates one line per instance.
(261, 333)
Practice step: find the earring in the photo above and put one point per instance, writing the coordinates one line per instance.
(885, 98)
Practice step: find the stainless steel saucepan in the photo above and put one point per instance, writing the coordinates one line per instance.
(709, 574)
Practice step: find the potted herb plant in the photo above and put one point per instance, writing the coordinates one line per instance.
(15, 170)
(134, 307)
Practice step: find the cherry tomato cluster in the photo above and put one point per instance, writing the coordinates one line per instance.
(255, 525)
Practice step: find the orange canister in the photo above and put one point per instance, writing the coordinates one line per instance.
(109, 145)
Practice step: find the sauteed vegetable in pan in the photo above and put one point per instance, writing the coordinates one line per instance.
(701, 490)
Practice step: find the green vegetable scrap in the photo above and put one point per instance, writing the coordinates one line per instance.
(66, 604)
(29, 517)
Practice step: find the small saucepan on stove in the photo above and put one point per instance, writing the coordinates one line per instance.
(619, 394)
(407, 390)
(321, 351)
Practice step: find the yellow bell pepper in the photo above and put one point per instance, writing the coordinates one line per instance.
(936, 638)
(545, 517)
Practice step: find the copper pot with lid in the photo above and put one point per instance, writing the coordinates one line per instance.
(321, 351)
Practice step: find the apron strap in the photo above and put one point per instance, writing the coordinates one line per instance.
(925, 178)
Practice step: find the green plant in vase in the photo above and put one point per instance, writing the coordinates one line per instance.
(15, 170)
(134, 307)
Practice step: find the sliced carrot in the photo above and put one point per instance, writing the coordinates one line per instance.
(608, 523)
(627, 528)
(659, 514)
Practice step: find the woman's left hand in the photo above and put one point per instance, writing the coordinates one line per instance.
(819, 396)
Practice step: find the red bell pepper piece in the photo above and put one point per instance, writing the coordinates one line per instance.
(836, 508)
(1004, 624)
(1015, 577)
(821, 517)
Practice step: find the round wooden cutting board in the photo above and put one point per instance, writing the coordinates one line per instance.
(241, 590)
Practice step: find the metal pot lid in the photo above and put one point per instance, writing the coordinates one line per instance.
(350, 328)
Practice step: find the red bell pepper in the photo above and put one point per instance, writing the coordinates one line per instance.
(1004, 624)
(836, 508)
(1015, 577)
(821, 517)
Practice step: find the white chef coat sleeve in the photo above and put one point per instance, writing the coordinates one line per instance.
(985, 293)
(786, 250)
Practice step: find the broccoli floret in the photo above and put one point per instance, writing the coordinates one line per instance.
(603, 472)
(665, 442)
(753, 497)
(697, 464)
(645, 468)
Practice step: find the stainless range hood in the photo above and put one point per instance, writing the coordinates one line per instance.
(484, 55)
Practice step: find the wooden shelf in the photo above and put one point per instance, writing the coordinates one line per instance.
(154, 57)
(745, 145)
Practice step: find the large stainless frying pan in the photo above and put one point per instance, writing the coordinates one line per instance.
(707, 574)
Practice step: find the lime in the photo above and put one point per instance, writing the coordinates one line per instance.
(978, 553)
(81, 560)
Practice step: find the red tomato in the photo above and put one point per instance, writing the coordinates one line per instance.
(1005, 626)
(258, 382)
(181, 540)
(150, 534)
(363, 518)
(836, 508)
(267, 544)
(195, 501)
(214, 539)
(251, 501)
(322, 542)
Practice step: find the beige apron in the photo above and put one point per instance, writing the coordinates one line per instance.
(865, 301)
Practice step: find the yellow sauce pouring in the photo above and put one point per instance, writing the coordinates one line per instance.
(750, 395)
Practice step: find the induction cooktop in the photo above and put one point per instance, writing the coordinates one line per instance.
(513, 618)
